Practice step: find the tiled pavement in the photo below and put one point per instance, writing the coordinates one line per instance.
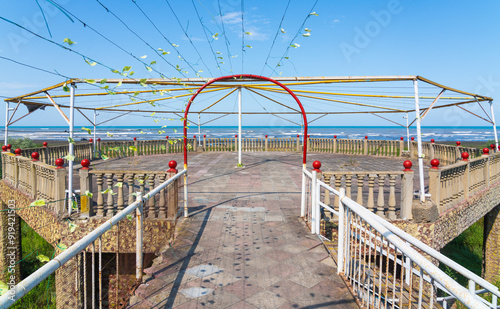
(244, 245)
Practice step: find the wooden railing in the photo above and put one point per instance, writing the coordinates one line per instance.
(388, 194)
(454, 183)
(36, 179)
(113, 190)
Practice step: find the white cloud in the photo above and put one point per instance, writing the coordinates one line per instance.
(336, 21)
(232, 18)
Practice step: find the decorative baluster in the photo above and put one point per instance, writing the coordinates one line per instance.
(348, 185)
(109, 201)
(130, 181)
(141, 183)
(380, 200)
(119, 199)
(151, 201)
(371, 183)
(338, 182)
(360, 181)
(327, 178)
(100, 199)
(162, 205)
(392, 197)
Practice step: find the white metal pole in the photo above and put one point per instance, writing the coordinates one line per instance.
(407, 132)
(239, 125)
(419, 143)
(139, 239)
(494, 126)
(199, 131)
(341, 233)
(6, 123)
(314, 215)
(303, 197)
(94, 142)
(71, 145)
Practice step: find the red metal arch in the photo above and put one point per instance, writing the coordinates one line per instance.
(304, 137)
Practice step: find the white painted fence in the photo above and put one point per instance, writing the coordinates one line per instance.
(384, 266)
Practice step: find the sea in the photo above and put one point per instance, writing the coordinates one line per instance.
(153, 132)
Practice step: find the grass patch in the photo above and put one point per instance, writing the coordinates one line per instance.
(466, 250)
(44, 294)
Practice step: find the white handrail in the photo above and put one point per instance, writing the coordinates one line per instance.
(401, 241)
(23, 287)
(429, 250)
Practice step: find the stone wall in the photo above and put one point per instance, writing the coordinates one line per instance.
(491, 247)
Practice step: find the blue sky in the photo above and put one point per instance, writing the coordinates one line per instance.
(455, 43)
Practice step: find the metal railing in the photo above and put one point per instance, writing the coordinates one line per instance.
(384, 266)
(38, 276)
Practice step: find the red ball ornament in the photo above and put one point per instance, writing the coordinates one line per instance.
(4, 148)
(486, 151)
(85, 164)
(9, 146)
(459, 143)
(335, 136)
(402, 138)
(465, 156)
(316, 166)
(45, 144)
(435, 163)
(172, 164)
(59, 163)
(17, 151)
(432, 141)
(407, 165)
(35, 156)
(412, 138)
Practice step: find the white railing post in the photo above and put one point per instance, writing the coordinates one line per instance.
(303, 199)
(139, 237)
(313, 202)
(341, 233)
(318, 207)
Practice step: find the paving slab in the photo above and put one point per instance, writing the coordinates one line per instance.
(244, 245)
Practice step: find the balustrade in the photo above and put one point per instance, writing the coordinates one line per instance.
(376, 190)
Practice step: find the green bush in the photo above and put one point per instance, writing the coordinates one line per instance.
(22, 143)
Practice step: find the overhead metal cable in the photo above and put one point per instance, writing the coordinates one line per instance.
(86, 25)
(54, 73)
(187, 36)
(275, 37)
(296, 35)
(242, 36)
(179, 55)
(139, 37)
(206, 36)
(226, 40)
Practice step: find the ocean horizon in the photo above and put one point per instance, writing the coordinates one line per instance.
(439, 133)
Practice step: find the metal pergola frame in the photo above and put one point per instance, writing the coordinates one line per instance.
(32, 100)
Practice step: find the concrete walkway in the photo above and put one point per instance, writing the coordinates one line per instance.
(245, 245)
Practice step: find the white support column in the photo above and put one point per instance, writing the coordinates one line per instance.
(419, 143)
(494, 126)
(6, 137)
(407, 132)
(239, 125)
(71, 145)
(94, 142)
(199, 131)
